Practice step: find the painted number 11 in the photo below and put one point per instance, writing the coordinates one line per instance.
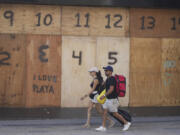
(78, 16)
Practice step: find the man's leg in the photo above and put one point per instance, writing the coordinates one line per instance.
(114, 109)
(117, 115)
(126, 123)
(104, 117)
(100, 111)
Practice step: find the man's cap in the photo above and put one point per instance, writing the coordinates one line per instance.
(94, 69)
(109, 68)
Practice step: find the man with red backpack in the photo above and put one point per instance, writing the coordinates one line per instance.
(111, 104)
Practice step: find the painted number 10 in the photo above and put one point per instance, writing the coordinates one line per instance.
(47, 20)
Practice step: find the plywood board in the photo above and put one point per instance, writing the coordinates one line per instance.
(145, 89)
(145, 72)
(43, 71)
(145, 55)
(78, 56)
(11, 18)
(12, 70)
(170, 72)
(34, 19)
(115, 52)
(95, 21)
(154, 23)
(42, 19)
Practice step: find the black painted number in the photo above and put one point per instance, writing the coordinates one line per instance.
(116, 23)
(174, 23)
(42, 53)
(9, 15)
(151, 22)
(3, 61)
(78, 16)
(78, 57)
(112, 58)
(47, 20)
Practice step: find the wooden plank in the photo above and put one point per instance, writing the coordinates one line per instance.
(34, 19)
(154, 23)
(145, 55)
(11, 18)
(42, 19)
(12, 70)
(115, 52)
(145, 89)
(158, 61)
(43, 71)
(78, 56)
(170, 72)
(95, 21)
(145, 68)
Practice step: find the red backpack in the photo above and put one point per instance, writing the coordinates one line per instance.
(120, 85)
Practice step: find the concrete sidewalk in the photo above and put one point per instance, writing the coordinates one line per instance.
(94, 121)
(140, 126)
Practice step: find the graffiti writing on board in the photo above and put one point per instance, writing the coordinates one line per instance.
(47, 87)
(49, 78)
(167, 76)
(43, 89)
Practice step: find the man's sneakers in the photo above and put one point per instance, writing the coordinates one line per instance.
(101, 129)
(126, 126)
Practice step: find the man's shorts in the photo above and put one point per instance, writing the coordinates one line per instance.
(111, 105)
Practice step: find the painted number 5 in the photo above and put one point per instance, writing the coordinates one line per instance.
(112, 58)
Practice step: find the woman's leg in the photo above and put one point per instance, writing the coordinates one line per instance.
(100, 111)
(87, 125)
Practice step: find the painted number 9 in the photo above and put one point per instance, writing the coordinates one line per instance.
(9, 15)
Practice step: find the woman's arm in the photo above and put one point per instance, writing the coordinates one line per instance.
(92, 89)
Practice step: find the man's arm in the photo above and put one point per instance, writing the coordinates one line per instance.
(108, 93)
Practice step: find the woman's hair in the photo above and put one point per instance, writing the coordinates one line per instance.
(99, 77)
